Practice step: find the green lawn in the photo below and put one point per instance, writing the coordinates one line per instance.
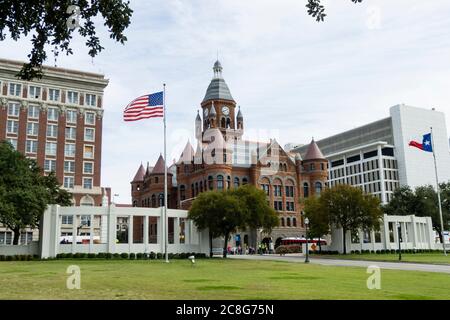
(211, 279)
(433, 258)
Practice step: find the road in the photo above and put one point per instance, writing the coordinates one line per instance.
(406, 266)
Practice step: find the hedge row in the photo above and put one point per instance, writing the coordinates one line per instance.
(131, 256)
(22, 257)
(392, 251)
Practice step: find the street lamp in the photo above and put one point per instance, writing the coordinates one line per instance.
(399, 240)
(307, 249)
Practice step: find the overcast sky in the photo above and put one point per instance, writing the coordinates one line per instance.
(294, 78)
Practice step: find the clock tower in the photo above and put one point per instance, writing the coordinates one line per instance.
(219, 107)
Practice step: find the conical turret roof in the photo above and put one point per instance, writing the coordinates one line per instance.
(218, 89)
(313, 152)
(159, 166)
(139, 176)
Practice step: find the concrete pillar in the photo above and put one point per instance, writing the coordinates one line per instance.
(387, 241)
(145, 239)
(112, 228)
(74, 232)
(130, 233)
(176, 230)
(91, 232)
(413, 232)
(430, 233)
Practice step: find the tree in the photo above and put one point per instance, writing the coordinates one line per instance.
(423, 202)
(319, 221)
(53, 23)
(349, 208)
(225, 212)
(24, 192)
(317, 10)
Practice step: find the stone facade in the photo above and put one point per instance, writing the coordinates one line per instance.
(223, 159)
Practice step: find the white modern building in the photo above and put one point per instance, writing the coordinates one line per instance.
(377, 156)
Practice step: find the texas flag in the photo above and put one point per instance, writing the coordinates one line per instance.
(425, 145)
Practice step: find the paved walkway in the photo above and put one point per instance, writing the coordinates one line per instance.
(349, 263)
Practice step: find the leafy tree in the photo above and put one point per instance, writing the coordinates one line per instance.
(53, 23)
(423, 202)
(317, 10)
(24, 192)
(225, 212)
(319, 221)
(349, 208)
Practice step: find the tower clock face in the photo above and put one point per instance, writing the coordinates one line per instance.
(205, 112)
(225, 111)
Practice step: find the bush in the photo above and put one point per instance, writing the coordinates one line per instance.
(132, 256)
(124, 255)
(140, 256)
(109, 255)
(2, 257)
(29, 257)
(152, 255)
(159, 255)
(101, 255)
(91, 255)
(116, 255)
(9, 258)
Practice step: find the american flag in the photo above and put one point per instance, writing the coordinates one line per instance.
(144, 107)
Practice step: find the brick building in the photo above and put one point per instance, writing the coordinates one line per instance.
(223, 159)
(57, 120)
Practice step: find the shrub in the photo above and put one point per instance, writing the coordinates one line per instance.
(282, 250)
(132, 256)
(101, 255)
(69, 255)
(91, 255)
(9, 258)
(159, 255)
(152, 255)
(116, 255)
(29, 257)
(140, 256)
(124, 255)
(109, 255)
(2, 257)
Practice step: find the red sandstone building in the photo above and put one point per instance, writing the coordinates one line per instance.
(57, 120)
(223, 160)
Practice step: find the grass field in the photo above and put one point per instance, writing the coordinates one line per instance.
(433, 258)
(211, 279)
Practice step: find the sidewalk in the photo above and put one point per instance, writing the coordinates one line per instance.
(300, 258)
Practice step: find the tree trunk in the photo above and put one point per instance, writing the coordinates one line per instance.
(16, 236)
(225, 245)
(210, 245)
(344, 238)
(320, 246)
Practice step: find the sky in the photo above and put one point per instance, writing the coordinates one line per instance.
(294, 78)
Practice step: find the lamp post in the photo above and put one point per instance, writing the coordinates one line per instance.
(399, 240)
(307, 246)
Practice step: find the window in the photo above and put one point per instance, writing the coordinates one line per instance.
(13, 109)
(266, 189)
(244, 181)
(182, 193)
(219, 182)
(161, 200)
(69, 150)
(50, 148)
(13, 142)
(210, 183)
(69, 166)
(52, 131)
(91, 100)
(68, 182)
(72, 97)
(290, 206)
(33, 112)
(89, 118)
(318, 187)
(85, 220)
(305, 190)
(89, 134)
(26, 237)
(71, 133)
(67, 219)
(71, 116)
(236, 182)
(32, 128)
(52, 114)
(15, 89)
(5, 237)
(53, 94)
(34, 92)
(31, 146)
(289, 191)
(49, 165)
(278, 205)
(277, 191)
(87, 183)
(12, 126)
(88, 167)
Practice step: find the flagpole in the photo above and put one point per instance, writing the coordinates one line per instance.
(438, 192)
(166, 234)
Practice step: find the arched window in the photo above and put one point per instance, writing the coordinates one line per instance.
(236, 182)
(318, 187)
(294, 222)
(161, 200)
(201, 186)
(222, 122)
(87, 201)
(282, 222)
(219, 182)
(228, 123)
(134, 203)
(182, 192)
(192, 190)
(288, 222)
(196, 188)
(228, 182)
(153, 201)
(305, 190)
(244, 181)
(210, 183)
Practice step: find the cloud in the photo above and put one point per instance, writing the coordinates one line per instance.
(291, 75)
